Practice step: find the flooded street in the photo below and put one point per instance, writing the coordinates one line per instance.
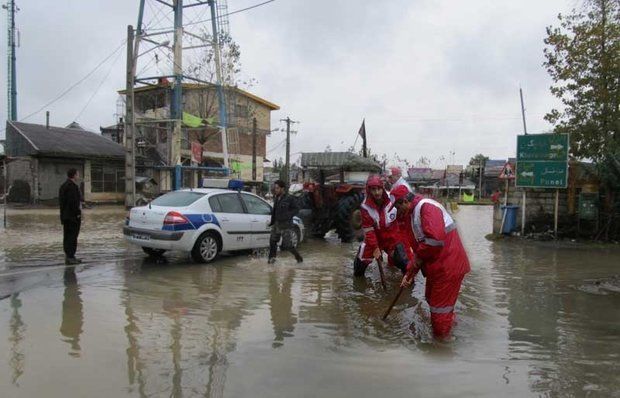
(533, 319)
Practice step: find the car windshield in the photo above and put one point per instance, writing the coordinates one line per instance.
(177, 199)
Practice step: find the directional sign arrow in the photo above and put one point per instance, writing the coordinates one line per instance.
(558, 147)
(527, 174)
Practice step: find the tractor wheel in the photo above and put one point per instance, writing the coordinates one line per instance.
(348, 217)
(320, 228)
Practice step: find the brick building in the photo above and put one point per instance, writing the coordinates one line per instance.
(153, 136)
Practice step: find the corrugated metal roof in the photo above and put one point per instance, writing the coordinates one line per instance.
(420, 173)
(347, 160)
(66, 142)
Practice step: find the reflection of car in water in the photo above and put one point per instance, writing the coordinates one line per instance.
(204, 222)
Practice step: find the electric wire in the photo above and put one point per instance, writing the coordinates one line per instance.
(70, 88)
(277, 146)
(105, 78)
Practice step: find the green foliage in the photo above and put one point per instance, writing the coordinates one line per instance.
(583, 59)
(479, 158)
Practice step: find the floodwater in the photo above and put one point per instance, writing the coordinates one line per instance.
(534, 319)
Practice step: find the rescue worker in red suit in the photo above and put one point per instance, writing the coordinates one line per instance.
(439, 254)
(381, 232)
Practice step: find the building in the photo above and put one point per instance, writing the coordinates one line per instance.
(490, 177)
(201, 143)
(114, 132)
(40, 157)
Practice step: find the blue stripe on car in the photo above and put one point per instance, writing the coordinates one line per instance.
(195, 222)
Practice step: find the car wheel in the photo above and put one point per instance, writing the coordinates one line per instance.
(153, 252)
(206, 248)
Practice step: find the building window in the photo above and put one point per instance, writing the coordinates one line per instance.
(107, 178)
(241, 111)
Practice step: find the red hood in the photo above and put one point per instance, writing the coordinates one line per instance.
(399, 192)
(416, 199)
(369, 200)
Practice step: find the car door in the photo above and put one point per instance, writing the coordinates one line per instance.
(233, 219)
(260, 215)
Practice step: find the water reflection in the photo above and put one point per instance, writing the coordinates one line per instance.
(552, 325)
(238, 327)
(72, 312)
(281, 305)
(17, 328)
(180, 327)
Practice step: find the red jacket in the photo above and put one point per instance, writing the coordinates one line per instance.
(440, 248)
(379, 224)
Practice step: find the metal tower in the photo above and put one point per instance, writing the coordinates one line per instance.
(11, 84)
(171, 47)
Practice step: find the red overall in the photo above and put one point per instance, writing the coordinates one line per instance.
(435, 240)
(380, 228)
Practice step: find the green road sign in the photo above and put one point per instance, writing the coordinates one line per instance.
(542, 147)
(542, 174)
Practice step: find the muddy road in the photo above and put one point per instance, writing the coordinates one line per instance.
(534, 319)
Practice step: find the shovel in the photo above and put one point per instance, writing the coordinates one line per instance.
(393, 303)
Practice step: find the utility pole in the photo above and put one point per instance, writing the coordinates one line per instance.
(287, 166)
(480, 180)
(220, 89)
(130, 155)
(523, 111)
(253, 149)
(177, 91)
(11, 61)
(524, 198)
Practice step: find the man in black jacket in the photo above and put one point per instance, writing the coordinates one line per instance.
(70, 200)
(284, 209)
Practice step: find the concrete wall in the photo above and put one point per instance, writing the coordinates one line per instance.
(52, 174)
(45, 175)
(539, 209)
(22, 170)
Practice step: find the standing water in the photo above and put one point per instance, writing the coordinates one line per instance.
(533, 319)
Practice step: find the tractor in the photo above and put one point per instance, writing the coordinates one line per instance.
(332, 198)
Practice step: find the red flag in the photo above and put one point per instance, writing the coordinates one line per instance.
(362, 131)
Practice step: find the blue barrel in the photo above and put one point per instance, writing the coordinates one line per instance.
(510, 222)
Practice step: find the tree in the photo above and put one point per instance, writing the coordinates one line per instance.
(201, 65)
(423, 162)
(583, 59)
(477, 163)
(478, 159)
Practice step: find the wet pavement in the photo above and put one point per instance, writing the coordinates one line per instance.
(534, 319)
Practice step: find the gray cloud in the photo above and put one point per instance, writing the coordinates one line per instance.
(429, 77)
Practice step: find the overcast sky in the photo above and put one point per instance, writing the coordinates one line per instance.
(433, 78)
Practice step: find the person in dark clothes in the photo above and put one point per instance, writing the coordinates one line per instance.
(284, 209)
(70, 200)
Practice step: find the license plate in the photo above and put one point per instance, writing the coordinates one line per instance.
(141, 237)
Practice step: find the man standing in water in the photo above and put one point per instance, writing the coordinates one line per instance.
(381, 233)
(70, 200)
(284, 209)
(439, 254)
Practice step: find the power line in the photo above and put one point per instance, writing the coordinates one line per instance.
(277, 146)
(225, 15)
(77, 83)
(99, 86)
